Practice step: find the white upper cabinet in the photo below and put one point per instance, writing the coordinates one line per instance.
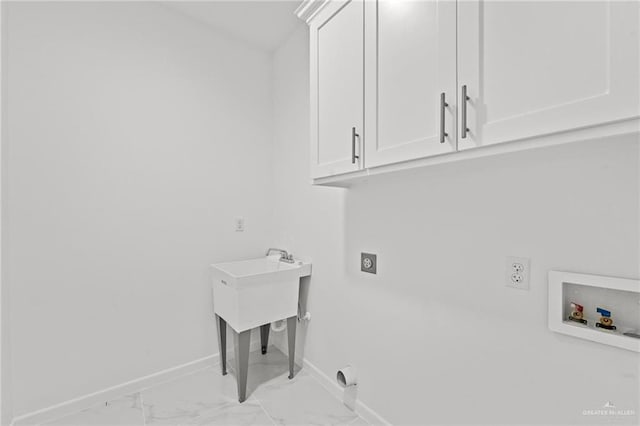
(533, 68)
(337, 79)
(410, 79)
(431, 77)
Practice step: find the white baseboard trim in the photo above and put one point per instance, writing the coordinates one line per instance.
(91, 399)
(333, 388)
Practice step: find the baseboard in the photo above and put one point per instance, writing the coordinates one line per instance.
(80, 403)
(89, 400)
(86, 401)
(333, 388)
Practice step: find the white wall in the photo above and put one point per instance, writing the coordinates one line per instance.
(135, 136)
(436, 336)
(6, 413)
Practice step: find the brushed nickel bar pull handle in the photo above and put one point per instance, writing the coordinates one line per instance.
(443, 106)
(463, 101)
(354, 135)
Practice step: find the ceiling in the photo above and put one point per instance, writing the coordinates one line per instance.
(262, 23)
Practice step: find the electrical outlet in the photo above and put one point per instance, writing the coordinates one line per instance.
(239, 224)
(368, 263)
(517, 272)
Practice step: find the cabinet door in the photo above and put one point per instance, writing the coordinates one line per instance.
(337, 110)
(539, 67)
(410, 61)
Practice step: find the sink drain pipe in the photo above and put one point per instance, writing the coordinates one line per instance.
(279, 325)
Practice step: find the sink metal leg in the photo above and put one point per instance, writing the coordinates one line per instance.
(241, 347)
(291, 334)
(222, 343)
(264, 337)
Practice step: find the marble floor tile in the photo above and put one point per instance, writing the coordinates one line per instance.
(264, 368)
(187, 399)
(248, 413)
(205, 397)
(125, 411)
(359, 421)
(302, 401)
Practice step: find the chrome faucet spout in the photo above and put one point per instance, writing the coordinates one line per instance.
(284, 256)
(281, 251)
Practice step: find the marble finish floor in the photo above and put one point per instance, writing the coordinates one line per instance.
(205, 397)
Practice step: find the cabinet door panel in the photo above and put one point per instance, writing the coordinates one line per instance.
(337, 57)
(410, 60)
(533, 68)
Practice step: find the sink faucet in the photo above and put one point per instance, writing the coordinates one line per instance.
(284, 256)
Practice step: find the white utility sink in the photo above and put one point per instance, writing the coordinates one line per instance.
(250, 293)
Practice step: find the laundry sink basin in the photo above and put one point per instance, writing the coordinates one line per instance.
(254, 292)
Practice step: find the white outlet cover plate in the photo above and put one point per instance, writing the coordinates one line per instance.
(512, 267)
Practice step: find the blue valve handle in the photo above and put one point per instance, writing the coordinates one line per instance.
(603, 312)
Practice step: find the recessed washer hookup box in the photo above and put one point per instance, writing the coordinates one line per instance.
(597, 308)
